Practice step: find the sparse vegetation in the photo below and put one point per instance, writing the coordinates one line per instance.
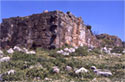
(37, 67)
(117, 50)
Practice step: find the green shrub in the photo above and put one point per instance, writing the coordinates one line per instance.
(88, 27)
(16, 64)
(59, 62)
(107, 42)
(117, 50)
(88, 75)
(96, 51)
(74, 63)
(36, 72)
(48, 64)
(20, 60)
(81, 51)
(56, 55)
(18, 76)
(24, 57)
(119, 66)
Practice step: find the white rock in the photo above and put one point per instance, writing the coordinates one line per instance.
(4, 59)
(66, 49)
(110, 49)
(48, 79)
(113, 53)
(94, 80)
(71, 50)
(37, 66)
(60, 51)
(11, 25)
(93, 67)
(76, 47)
(89, 50)
(18, 49)
(104, 73)
(65, 53)
(119, 54)
(81, 45)
(68, 68)
(101, 72)
(56, 69)
(105, 48)
(81, 70)
(116, 54)
(25, 50)
(30, 52)
(11, 72)
(10, 51)
(123, 51)
(92, 47)
(31, 66)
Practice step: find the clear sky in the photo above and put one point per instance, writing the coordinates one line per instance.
(103, 16)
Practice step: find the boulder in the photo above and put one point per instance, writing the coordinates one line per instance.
(11, 72)
(81, 70)
(31, 52)
(56, 69)
(4, 59)
(60, 52)
(16, 48)
(10, 51)
(68, 68)
(102, 72)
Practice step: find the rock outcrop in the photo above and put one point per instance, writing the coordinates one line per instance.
(123, 43)
(47, 30)
(109, 40)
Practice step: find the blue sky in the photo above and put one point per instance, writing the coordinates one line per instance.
(103, 16)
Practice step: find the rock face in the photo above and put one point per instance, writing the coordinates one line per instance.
(47, 30)
(123, 43)
(109, 40)
(91, 39)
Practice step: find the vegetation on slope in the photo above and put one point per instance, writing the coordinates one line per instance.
(38, 67)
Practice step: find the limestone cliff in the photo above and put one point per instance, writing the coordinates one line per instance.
(51, 29)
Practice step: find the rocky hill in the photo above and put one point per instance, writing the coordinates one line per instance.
(51, 29)
(80, 56)
(109, 40)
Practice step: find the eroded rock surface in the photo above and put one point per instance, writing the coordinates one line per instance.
(109, 40)
(51, 29)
